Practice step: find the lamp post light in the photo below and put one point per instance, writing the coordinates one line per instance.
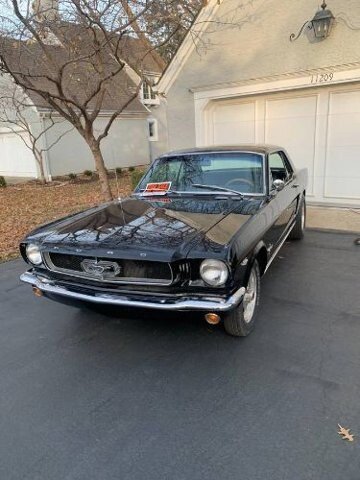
(323, 22)
(320, 25)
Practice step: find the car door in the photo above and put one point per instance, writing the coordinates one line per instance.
(280, 169)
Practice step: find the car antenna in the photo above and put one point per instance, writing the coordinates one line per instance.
(118, 196)
(117, 185)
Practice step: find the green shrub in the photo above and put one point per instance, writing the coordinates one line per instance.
(136, 176)
(2, 182)
(72, 176)
(131, 169)
(118, 171)
(88, 173)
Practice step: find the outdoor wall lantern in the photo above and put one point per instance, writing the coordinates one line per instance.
(320, 25)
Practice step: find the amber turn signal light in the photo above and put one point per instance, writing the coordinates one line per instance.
(212, 318)
(37, 292)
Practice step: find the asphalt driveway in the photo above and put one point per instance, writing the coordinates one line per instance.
(152, 397)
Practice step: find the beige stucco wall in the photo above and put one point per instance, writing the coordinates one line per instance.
(255, 45)
(126, 145)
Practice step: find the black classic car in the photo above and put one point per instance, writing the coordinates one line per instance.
(199, 231)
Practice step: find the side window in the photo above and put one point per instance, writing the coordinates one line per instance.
(288, 166)
(279, 167)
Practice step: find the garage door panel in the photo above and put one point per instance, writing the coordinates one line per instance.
(16, 160)
(342, 179)
(287, 108)
(344, 129)
(234, 123)
(291, 123)
(342, 167)
(344, 102)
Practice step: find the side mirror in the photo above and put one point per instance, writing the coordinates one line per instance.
(278, 184)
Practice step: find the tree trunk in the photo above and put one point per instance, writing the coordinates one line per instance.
(101, 170)
(40, 161)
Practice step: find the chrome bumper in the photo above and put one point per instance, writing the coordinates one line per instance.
(209, 304)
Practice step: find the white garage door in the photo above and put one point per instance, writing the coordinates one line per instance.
(319, 128)
(16, 160)
(291, 122)
(342, 169)
(234, 120)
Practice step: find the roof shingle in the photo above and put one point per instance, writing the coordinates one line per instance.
(74, 59)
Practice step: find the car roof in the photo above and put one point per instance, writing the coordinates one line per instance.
(261, 148)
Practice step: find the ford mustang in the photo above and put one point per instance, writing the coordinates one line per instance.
(198, 233)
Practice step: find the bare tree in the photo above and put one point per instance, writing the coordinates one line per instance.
(73, 57)
(18, 115)
(170, 19)
(76, 63)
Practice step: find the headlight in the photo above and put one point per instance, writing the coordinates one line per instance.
(214, 272)
(33, 254)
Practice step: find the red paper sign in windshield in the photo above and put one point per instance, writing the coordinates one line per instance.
(158, 188)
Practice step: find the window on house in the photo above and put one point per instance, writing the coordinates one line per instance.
(148, 93)
(153, 130)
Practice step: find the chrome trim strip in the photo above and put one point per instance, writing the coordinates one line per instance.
(272, 258)
(124, 280)
(210, 304)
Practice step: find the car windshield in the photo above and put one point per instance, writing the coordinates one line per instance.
(234, 171)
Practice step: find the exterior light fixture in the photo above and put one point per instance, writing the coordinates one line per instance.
(320, 25)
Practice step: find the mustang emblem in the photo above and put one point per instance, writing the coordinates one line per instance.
(101, 269)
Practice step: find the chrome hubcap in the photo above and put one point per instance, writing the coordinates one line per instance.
(250, 298)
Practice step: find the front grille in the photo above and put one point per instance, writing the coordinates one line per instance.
(66, 262)
(128, 270)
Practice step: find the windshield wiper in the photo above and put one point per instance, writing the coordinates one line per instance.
(215, 187)
(143, 193)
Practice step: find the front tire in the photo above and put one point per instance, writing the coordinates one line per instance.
(241, 321)
(297, 233)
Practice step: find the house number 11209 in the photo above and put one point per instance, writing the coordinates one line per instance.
(322, 77)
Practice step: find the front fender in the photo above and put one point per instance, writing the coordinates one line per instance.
(244, 266)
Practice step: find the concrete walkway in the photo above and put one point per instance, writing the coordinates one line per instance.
(330, 218)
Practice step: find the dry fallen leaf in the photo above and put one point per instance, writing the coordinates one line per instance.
(345, 434)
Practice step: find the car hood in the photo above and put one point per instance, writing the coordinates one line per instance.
(165, 229)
